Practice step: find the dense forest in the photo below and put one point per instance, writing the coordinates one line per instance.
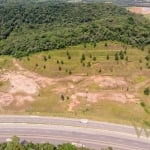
(31, 27)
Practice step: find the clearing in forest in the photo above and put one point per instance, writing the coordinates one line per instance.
(103, 82)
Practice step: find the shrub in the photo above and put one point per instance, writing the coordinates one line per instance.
(147, 91)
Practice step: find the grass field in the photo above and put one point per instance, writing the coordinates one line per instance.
(147, 16)
(86, 83)
(59, 58)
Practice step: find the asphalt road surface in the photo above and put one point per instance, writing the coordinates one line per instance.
(92, 134)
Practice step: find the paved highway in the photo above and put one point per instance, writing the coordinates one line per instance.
(59, 130)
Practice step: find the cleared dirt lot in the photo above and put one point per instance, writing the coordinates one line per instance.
(140, 10)
(25, 85)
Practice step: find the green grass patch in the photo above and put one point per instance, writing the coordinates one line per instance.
(59, 63)
(147, 16)
(140, 79)
(6, 63)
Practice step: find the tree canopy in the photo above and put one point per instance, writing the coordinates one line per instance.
(31, 27)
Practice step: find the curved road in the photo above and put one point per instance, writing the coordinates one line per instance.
(92, 134)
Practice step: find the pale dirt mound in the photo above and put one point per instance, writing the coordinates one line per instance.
(42, 81)
(23, 83)
(99, 96)
(20, 83)
(20, 100)
(109, 82)
(72, 78)
(6, 99)
(140, 10)
(74, 103)
(121, 97)
(109, 95)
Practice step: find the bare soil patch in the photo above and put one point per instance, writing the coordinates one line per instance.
(108, 81)
(140, 10)
(24, 86)
(6, 99)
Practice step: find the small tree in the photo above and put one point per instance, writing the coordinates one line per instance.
(44, 58)
(126, 59)
(100, 70)
(90, 55)
(59, 68)
(147, 64)
(57, 61)
(140, 61)
(36, 65)
(83, 57)
(62, 97)
(125, 52)
(49, 56)
(147, 91)
(107, 57)
(28, 59)
(83, 64)
(70, 72)
(94, 58)
(44, 67)
(84, 45)
(67, 53)
(106, 45)
(88, 64)
(147, 57)
(121, 55)
(94, 44)
(69, 57)
(116, 57)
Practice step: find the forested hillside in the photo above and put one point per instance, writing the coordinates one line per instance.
(32, 27)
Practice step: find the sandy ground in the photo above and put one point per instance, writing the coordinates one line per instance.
(24, 86)
(140, 10)
(110, 88)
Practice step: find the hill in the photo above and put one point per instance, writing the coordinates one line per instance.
(32, 27)
(109, 82)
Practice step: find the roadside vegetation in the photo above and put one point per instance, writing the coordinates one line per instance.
(15, 143)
